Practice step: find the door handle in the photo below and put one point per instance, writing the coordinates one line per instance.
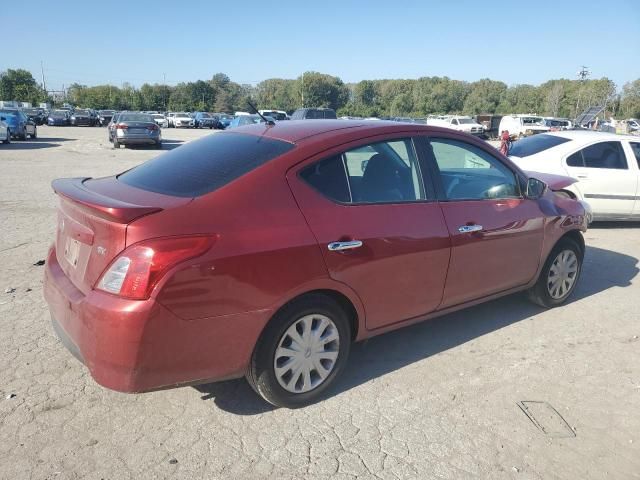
(582, 175)
(340, 246)
(469, 228)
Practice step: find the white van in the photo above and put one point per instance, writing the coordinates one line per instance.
(522, 125)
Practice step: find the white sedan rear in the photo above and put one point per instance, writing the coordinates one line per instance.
(606, 165)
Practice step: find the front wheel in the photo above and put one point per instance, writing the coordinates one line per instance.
(35, 133)
(301, 352)
(8, 139)
(559, 276)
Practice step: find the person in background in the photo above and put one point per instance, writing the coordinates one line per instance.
(505, 143)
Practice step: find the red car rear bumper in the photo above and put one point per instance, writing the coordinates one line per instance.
(135, 346)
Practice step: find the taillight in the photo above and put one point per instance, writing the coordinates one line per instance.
(138, 269)
(122, 126)
(153, 127)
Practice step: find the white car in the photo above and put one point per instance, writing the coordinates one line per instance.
(160, 120)
(5, 134)
(181, 119)
(606, 165)
(520, 126)
(459, 123)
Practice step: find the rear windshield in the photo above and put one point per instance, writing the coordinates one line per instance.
(204, 165)
(535, 144)
(135, 117)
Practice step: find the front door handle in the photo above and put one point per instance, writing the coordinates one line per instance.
(340, 246)
(469, 228)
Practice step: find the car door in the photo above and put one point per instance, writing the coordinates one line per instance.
(604, 178)
(496, 233)
(634, 165)
(379, 230)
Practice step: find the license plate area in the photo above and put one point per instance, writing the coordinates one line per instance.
(72, 251)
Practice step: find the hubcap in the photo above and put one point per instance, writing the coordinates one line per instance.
(562, 274)
(307, 353)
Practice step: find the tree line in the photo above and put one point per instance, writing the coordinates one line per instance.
(393, 97)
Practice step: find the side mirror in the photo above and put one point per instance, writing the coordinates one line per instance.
(535, 188)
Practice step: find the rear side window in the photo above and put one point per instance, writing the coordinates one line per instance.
(636, 151)
(535, 144)
(600, 155)
(204, 165)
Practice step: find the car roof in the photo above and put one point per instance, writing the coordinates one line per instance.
(294, 131)
(590, 135)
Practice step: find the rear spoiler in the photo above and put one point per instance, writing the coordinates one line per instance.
(74, 190)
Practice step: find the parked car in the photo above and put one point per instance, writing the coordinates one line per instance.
(277, 115)
(606, 165)
(556, 124)
(224, 120)
(111, 127)
(105, 116)
(59, 118)
(136, 129)
(36, 115)
(314, 114)
(19, 124)
(82, 118)
(459, 123)
(520, 126)
(204, 120)
(160, 119)
(5, 131)
(634, 125)
(181, 119)
(267, 252)
(249, 119)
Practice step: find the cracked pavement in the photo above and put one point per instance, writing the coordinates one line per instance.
(436, 400)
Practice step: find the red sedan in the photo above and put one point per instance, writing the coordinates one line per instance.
(266, 251)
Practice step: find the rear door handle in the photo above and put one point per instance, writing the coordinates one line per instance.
(340, 246)
(469, 228)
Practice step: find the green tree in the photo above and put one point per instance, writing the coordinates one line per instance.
(484, 96)
(20, 85)
(322, 90)
(630, 100)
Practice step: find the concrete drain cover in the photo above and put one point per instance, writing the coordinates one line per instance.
(547, 419)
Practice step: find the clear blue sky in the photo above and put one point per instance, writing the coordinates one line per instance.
(140, 41)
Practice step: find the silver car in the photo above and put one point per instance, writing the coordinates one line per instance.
(136, 129)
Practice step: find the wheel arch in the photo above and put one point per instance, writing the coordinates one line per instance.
(577, 237)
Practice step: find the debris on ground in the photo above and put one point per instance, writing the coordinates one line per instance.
(39, 263)
(9, 290)
(11, 395)
(173, 461)
(28, 289)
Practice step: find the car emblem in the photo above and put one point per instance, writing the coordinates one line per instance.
(101, 250)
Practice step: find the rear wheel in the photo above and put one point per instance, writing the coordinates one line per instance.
(116, 144)
(8, 139)
(23, 135)
(301, 352)
(35, 133)
(559, 276)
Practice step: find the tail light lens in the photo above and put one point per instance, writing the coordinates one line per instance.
(135, 272)
(122, 126)
(153, 127)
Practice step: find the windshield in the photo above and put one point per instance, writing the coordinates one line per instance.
(204, 165)
(532, 121)
(465, 121)
(181, 114)
(59, 113)
(107, 112)
(81, 112)
(135, 117)
(9, 112)
(157, 115)
(205, 115)
(535, 144)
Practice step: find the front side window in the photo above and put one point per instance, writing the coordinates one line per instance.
(469, 173)
(383, 172)
(599, 155)
(636, 151)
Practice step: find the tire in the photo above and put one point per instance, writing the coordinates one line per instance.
(115, 142)
(313, 312)
(158, 146)
(566, 260)
(8, 139)
(35, 134)
(23, 136)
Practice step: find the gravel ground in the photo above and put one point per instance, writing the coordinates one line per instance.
(437, 400)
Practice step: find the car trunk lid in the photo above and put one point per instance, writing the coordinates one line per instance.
(92, 223)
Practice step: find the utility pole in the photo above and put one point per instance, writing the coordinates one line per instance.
(44, 84)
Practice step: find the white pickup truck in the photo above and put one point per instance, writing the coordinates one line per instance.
(455, 122)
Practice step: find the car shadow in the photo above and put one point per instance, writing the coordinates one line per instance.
(29, 144)
(166, 145)
(603, 269)
(613, 225)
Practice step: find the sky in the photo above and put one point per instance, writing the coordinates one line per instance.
(516, 42)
